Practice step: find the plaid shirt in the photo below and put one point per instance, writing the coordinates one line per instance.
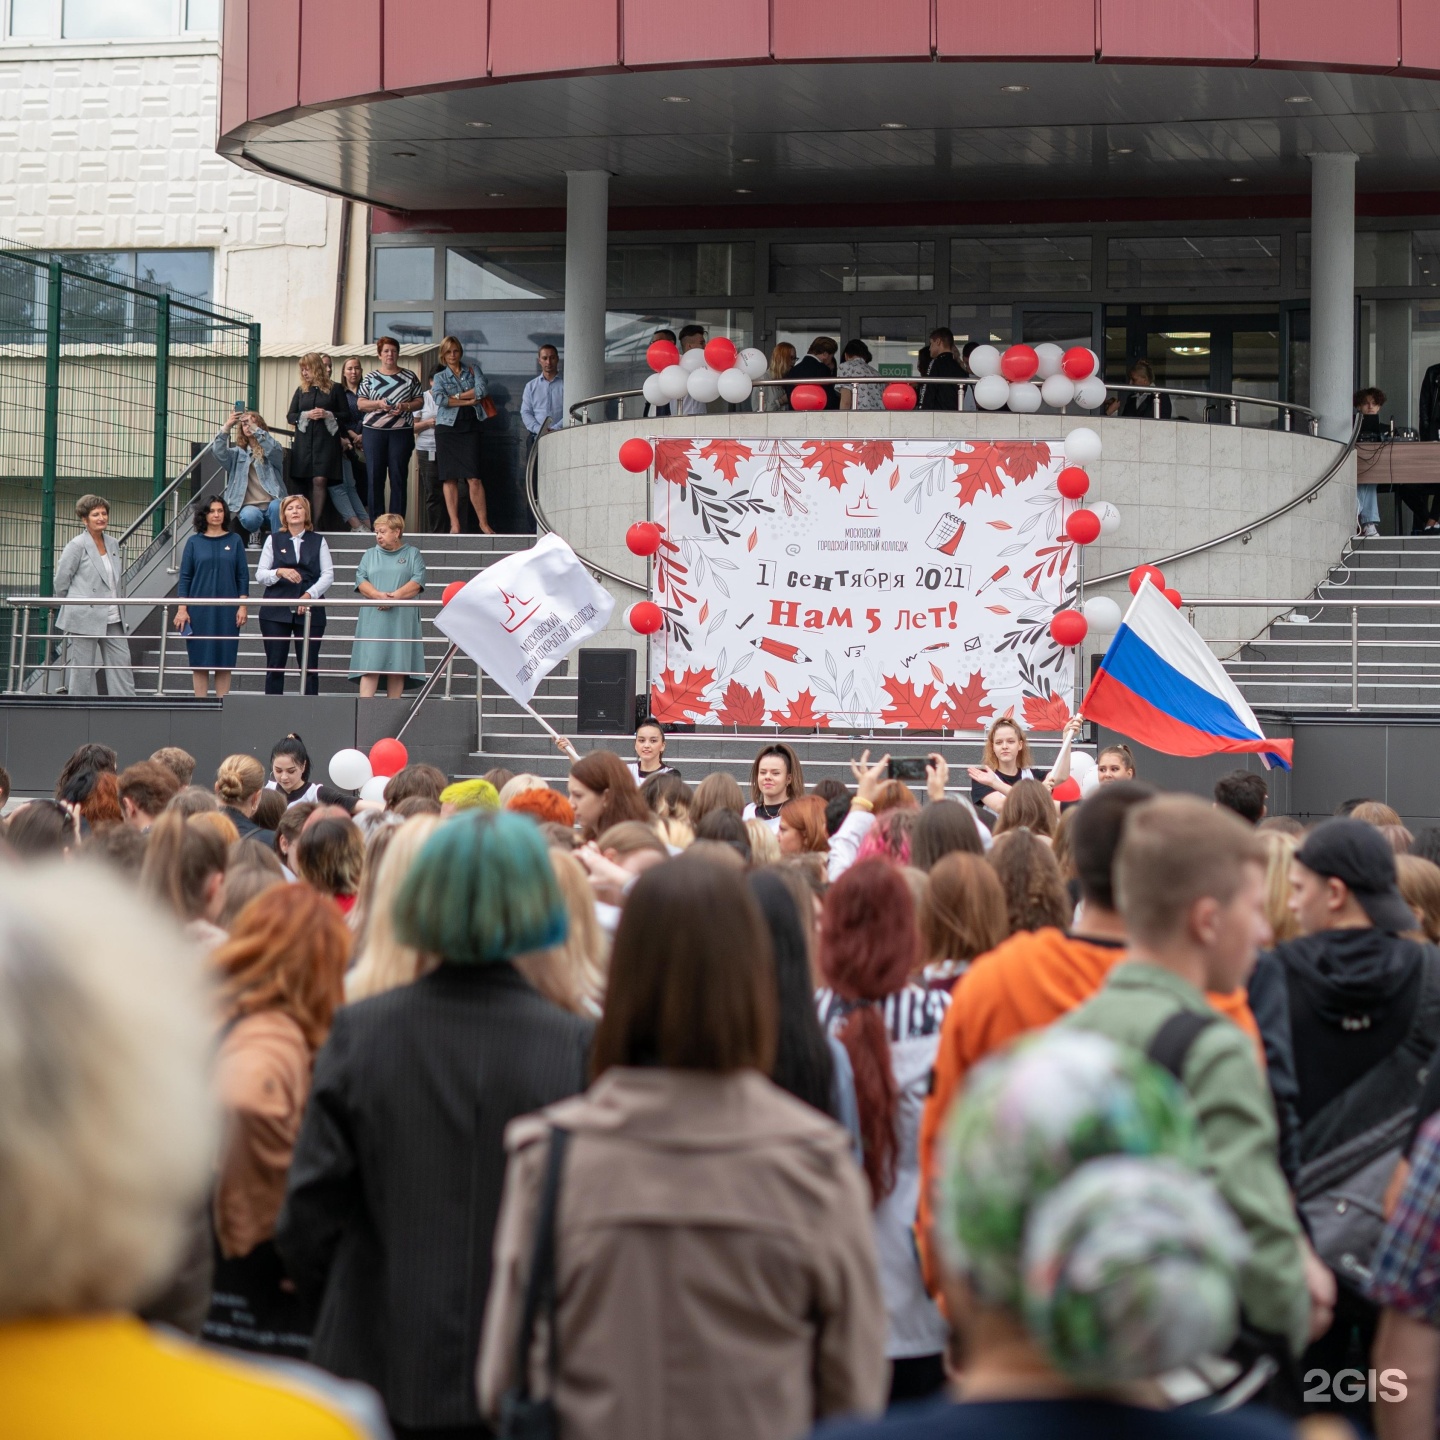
(1407, 1261)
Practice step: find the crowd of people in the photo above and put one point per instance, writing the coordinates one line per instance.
(655, 1109)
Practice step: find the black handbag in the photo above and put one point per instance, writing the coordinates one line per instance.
(522, 1416)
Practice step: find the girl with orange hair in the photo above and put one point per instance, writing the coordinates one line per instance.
(281, 976)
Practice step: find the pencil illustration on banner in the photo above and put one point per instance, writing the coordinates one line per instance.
(1000, 574)
(781, 650)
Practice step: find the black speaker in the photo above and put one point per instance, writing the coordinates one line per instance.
(607, 692)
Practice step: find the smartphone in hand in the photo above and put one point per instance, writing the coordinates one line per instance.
(908, 769)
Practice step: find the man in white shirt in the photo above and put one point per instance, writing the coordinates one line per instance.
(544, 397)
(692, 337)
(437, 522)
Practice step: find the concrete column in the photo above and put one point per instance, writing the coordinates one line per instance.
(587, 221)
(1332, 292)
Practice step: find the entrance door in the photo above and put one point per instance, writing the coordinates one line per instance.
(893, 335)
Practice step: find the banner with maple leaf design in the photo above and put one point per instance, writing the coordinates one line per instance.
(839, 584)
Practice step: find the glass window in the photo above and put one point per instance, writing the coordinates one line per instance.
(202, 15)
(22, 299)
(637, 271)
(1065, 328)
(990, 324)
(894, 340)
(505, 272)
(117, 19)
(628, 334)
(1020, 264)
(404, 272)
(31, 19)
(848, 267)
(1399, 342)
(1383, 257)
(1192, 262)
(409, 327)
(186, 272)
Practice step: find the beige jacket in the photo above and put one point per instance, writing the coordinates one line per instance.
(717, 1275)
(263, 1073)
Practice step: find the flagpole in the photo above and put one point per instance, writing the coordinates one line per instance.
(562, 741)
(431, 681)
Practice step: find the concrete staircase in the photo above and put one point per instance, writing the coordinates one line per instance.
(1303, 663)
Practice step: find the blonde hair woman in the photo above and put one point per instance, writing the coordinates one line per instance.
(1280, 850)
(238, 784)
(459, 391)
(386, 961)
(572, 974)
(294, 564)
(1008, 760)
(782, 362)
(388, 641)
(318, 412)
(764, 843)
(254, 471)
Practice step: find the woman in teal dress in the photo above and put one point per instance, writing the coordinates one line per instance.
(387, 639)
(212, 568)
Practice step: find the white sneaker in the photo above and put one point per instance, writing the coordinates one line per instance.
(1371, 531)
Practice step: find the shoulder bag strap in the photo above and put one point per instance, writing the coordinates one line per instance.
(540, 1287)
(1169, 1047)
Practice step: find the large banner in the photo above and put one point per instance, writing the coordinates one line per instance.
(860, 583)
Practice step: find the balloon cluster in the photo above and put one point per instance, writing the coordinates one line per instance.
(718, 372)
(1022, 378)
(1084, 525)
(369, 774)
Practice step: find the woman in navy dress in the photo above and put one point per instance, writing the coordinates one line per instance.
(212, 568)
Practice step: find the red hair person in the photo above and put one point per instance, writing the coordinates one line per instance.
(603, 793)
(890, 1028)
(802, 827)
(544, 806)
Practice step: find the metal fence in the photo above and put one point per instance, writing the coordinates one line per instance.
(106, 384)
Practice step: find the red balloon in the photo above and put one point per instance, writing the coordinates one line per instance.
(899, 397)
(662, 353)
(1068, 628)
(452, 590)
(1066, 791)
(1072, 482)
(636, 455)
(1174, 596)
(1138, 576)
(720, 353)
(807, 397)
(388, 757)
(1078, 362)
(1019, 363)
(1083, 527)
(642, 538)
(644, 617)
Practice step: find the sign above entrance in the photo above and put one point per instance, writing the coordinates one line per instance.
(861, 583)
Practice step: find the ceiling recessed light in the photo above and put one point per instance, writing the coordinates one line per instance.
(749, 160)
(1123, 150)
(1237, 179)
(893, 125)
(403, 154)
(496, 194)
(744, 192)
(1013, 89)
(478, 124)
(1297, 100)
(676, 99)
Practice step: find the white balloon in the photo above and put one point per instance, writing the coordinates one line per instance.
(704, 385)
(674, 382)
(735, 385)
(1081, 765)
(753, 362)
(374, 788)
(1108, 515)
(1090, 784)
(653, 391)
(992, 392)
(984, 360)
(693, 360)
(1058, 391)
(1050, 357)
(1102, 615)
(1082, 446)
(1024, 398)
(350, 769)
(1090, 394)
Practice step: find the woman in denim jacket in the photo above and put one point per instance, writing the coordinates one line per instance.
(459, 389)
(254, 472)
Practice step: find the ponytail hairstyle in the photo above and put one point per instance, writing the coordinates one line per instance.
(179, 861)
(238, 778)
(868, 948)
(293, 746)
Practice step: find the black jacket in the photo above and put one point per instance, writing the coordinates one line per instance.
(248, 829)
(944, 366)
(1430, 404)
(816, 371)
(316, 453)
(396, 1181)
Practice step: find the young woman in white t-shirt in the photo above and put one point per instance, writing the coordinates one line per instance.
(775, 777)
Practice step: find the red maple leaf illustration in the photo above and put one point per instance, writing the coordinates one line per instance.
(672, 460)
(725, 456)
(1046, 713)
(912, 708)
(988, 466)
(969, 705)
(683, 697)
(872, 454)
(800, 713)
(739, 706)
(832, 456)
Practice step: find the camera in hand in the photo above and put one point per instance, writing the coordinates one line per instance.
(909, 769)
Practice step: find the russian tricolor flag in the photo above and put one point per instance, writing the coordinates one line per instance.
(1160, 684)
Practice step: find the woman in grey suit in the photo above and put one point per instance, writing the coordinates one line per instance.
(94, 634)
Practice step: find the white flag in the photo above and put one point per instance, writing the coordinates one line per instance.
(518, 619)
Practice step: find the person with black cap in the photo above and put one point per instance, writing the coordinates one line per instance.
(1350, 1014)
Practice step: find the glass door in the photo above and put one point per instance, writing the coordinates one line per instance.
(895, 339)
(1066, 325)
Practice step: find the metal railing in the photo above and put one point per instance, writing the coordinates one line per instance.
(1286, 410)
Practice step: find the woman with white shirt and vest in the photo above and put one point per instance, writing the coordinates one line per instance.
(295, 564)
(94, 634)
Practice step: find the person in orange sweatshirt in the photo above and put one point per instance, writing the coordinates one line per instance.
(1035, 977)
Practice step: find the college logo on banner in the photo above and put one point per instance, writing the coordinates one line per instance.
(824, 583)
